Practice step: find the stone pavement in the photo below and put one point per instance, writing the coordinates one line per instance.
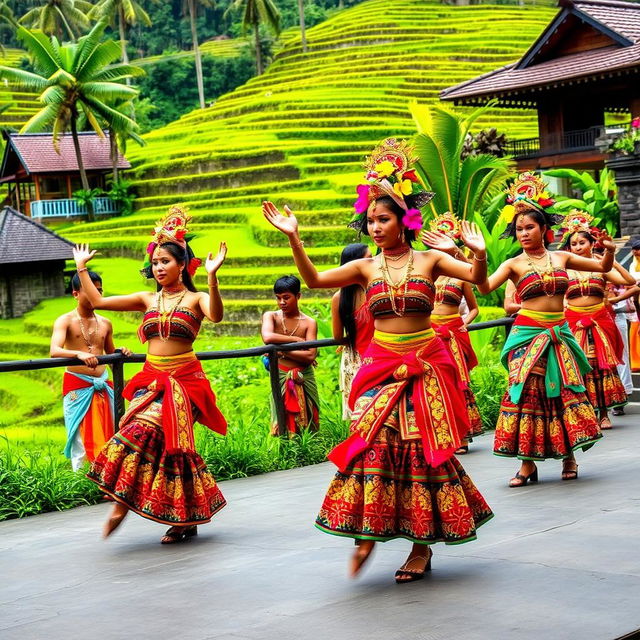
(560, 560)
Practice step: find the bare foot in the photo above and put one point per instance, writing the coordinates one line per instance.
(360, 556)
(116, 516)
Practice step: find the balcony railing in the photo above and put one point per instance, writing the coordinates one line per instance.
(567, 142)
(68, 208)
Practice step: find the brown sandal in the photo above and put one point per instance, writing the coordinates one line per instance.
(404, 574)
(521, 481)
(179, 534)
(570, 474)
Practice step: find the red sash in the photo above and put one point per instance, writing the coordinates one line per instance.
(607, 340)
(459, 345)
(181, 386)
(72, 383)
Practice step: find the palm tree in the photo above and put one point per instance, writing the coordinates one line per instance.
(57, 17)
(255, 12)
(461, 186)
(191, 7)
(303, 32)
(75, 79)
(128, 12)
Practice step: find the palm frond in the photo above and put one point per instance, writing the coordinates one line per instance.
(87, 45)
(119, 72)
(477, 175)
(41, 120)
(23, 78)
(111, 116)
(102, 55)
(41, 49)
(109, 91)
(91, 119)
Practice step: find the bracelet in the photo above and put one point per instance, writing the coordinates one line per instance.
(83, 269)
(213, 285)
(475, 257)
(298, 245)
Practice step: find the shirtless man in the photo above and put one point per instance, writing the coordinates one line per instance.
(88, 396)
(299, 388)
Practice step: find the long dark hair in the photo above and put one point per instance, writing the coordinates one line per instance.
(566, 245)
(182, 256)
(347, 304)
(398, 211)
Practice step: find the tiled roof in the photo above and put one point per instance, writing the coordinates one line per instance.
(38, 155)
(23, 240)
(621, 17)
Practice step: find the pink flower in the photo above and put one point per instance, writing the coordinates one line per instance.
(412, 219)
(362, 203)
(635, 123)
(151, 247)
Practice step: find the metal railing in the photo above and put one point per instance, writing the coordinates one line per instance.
(117, 361)
(68, 208)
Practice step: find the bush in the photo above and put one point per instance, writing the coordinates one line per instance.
(489, 384)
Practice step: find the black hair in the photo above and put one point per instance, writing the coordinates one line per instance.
(635, 244)
(398, 211)
(76, 285)
(287, 284)
(583, 234)
(346, 307)
(182, 256)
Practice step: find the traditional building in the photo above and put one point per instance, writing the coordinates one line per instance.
(32, 260)
(41, 181)
(584, 67)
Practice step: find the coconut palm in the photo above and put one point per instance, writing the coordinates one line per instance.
(127, 12)
(190, 7)
(255, 12)
(461, 186)
(59, 17)
(75, 78)
(303, 31)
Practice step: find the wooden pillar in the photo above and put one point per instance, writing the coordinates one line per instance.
(634, 107)
(18, 205)
(69, 195)
(36, 182)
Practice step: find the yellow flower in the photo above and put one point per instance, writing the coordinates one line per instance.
(402, 187)
(384, 169)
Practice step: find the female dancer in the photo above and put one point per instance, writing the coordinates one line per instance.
(150, 466)
(398, 477)
(545, 412)
(350, 319)
(449, 324)
(590, 320)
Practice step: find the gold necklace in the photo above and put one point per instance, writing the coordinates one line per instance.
(391, 257)
(284, 326)
(441, 286)
(87, 338)
(165, 316)
(393, 287)
(545, 274)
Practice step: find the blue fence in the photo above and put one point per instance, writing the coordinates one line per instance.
(69, 208)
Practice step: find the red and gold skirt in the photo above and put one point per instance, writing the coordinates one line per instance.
(135, 469)
(458, 343)
(540, 427)
(389, 490)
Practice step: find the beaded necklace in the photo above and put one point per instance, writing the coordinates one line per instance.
(284, 326)
(87, 336)
(392, 288)
(165, 315)
(546, 274)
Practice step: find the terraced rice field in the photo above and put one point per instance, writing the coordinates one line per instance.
(24, 103)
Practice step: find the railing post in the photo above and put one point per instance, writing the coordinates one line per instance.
(118, 386)
(276, 391)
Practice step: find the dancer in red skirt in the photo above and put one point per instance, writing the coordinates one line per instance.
(446, 318)
(398, 477)
(591, 320)
(150, 465)
(545, 413)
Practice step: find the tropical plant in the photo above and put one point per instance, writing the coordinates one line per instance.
(127, 12)
(255, 12)
(486, 141)
(191, 7)
(599, 199)
(85, 197)
(627, 143)
(121, 192)
(75, 78)
(461, 186)
(57, 17)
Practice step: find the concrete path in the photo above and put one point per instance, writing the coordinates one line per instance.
(559, 560)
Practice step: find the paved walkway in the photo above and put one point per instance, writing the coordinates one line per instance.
(559, 560)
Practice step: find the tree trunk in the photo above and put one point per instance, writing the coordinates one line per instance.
(83, 173)
(113, 145)
(123, 39)
(303, 33)
(196, 51)
(256, 30)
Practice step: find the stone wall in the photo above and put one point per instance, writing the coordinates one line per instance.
(627, 171)
(23, 285)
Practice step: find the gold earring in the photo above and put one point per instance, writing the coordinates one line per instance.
(180, 278)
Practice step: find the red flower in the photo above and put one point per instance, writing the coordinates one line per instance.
(180, 234)
(410, 175)
(545, 202)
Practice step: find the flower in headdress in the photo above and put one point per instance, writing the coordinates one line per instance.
(362, 203)
(384, 169)
(635, 123)
(403, 187)
(508, 212)
(412, 219)
(448, 224)
(411, 175)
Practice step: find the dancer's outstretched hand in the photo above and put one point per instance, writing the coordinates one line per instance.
(82, 255)
(472, 236)
(437, 240)
(607, 242)
(285, 222)
(213, 264)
